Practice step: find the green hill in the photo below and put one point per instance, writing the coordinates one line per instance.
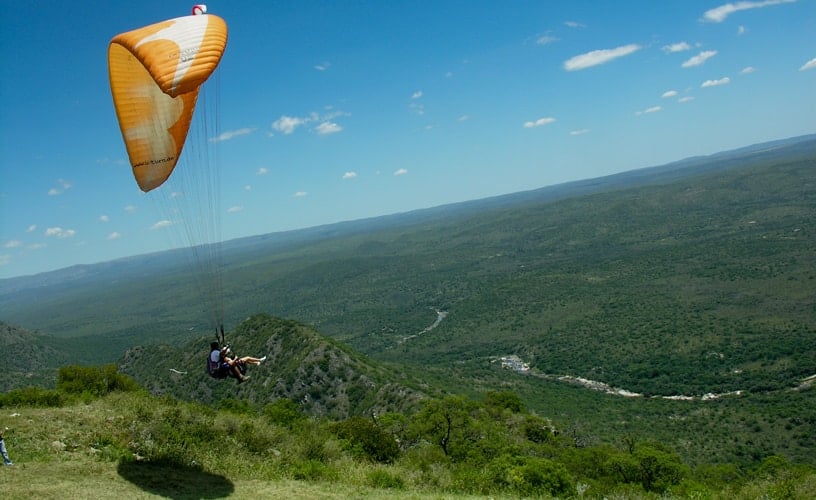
(327, 378)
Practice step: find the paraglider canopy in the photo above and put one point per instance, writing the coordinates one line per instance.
(155, 73)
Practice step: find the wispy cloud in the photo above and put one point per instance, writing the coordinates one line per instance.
(130, 208)
(715, 83)
(401, 171)
(349, 175)
(234, 209)
(676, 47)
(687, 98)
(322, 66)
(161, 224)
(653, 109)
(299, 194)
(574, 24)
(539, 123)
(718, 14)
(597, 57)
(13, 244)
(699, 58)
(463, 118)
(104, 218)
(546, 39)
(327, 128)
(579, 132)
(416, 95)
(58, 232)
(231, 134)
(115, 235)
(5, 259)
(262, 171)
(669, 93)
(31, 228)
(64, 186)
(809, 65)
(750, 69)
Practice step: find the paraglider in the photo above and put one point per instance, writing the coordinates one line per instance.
(157, 75)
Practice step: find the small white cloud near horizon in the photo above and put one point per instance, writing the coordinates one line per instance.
(262, 171)
(718, 14)
(687, 98)
(161, 224)
(115, 235)
(59, 232)
(327, 128)
(715, 83)
(653, 109)
(349, 175)
(234, 209)
(808, 65)
(416, 95)
(299, 194)
(104, 218)
(669, 93)
(231, 134)
(31, 228)
(699, 59)
(540, 122)
(579, 132)
(676, 47)
(596, 57)
(747, 70)
(401, 171)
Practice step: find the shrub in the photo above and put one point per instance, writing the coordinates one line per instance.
(366, 439)
(283, 412)
(32, 396)
(385, 480)
(93, 380)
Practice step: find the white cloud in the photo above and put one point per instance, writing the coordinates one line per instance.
(349, 175)
(104, 218)
(322, 66)
(715, 83)
(699, 58)
(809, 65)
(130, 209)
(31, 228)
(718, 14)
(36, 246)
(540, 122)
(574, 24)
(4, 259)
(416, 95)
(653, 109)
(676, 47)
(263, 171)
(247, 187)
(401, 171)
(669, 93)
(579, 132)
(741, 30)
(234, 209)
(225, 136)
(327, 128)
(747, 70)
(287, 124)
(53, 192)
(417, 108)
(161, 224)
(299, 194)
(13, 244)
(59, 232)
(114, 235)
(546, 40)
(597, 57)
(687, 98)
(463, 118)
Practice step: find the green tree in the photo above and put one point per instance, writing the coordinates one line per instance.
(446, 423)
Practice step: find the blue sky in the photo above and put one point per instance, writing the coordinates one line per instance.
(340, 110)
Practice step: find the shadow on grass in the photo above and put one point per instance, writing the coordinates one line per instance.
(172, 480)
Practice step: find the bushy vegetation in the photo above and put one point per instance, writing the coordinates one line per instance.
(453, 446)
